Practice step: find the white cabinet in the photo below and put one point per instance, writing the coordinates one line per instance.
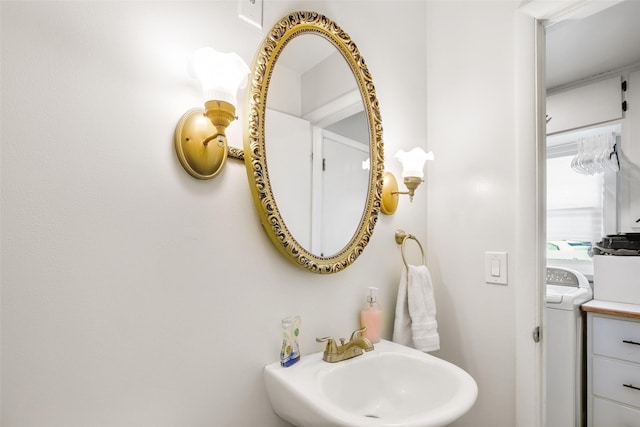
(583, 106)
(613, 368)
(630, 174)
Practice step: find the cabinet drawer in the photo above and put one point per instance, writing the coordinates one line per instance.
(611, 414)
(610, 377)
(616, 338)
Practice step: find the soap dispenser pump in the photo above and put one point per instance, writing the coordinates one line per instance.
(371, 317)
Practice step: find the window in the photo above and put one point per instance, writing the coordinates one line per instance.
(576, 207)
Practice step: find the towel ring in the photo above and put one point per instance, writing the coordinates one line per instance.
(401, 238)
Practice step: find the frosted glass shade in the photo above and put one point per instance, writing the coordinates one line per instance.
(413, 161)
(221, 74)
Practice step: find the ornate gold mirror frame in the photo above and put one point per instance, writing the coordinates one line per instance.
(289, 27)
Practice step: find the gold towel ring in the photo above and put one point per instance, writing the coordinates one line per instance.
(401, 238)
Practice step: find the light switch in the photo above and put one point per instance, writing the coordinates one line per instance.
(495, 270)
(495, 267)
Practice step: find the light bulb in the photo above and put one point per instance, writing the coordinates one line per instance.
(220, 74)
(413, 161)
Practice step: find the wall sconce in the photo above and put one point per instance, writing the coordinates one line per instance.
(412, 174)
(200, 140)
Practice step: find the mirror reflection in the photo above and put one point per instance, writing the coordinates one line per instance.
(317, 144)
(313, 126)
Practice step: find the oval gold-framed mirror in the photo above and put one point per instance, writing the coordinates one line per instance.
(277, 218)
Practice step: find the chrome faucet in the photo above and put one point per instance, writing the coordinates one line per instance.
(354, 347)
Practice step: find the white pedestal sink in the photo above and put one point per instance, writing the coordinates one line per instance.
(392, 385)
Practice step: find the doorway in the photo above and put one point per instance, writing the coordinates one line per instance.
(585, 46)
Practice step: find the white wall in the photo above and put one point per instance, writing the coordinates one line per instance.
(474, 191)
(326, 82)
(133, 294)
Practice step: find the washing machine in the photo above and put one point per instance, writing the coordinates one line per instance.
(567, 289)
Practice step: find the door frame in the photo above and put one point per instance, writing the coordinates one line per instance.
(530, 219)
(531, 20)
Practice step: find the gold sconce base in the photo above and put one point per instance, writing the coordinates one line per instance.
(390, 192)
(389, 202)
(220, 113)
(200, 140)
(412, 182)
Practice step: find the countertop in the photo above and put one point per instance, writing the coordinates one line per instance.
(612, 308)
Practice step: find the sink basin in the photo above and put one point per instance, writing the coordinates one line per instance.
(392, 385)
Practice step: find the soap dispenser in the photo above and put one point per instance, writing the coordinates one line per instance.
(371, 317)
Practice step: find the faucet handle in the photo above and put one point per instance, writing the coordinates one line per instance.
(357, 333)
(331, 347)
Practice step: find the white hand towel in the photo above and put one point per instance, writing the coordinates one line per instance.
(415, 324)
(402, 322)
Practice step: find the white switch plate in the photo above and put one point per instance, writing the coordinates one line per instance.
(495, 267)
(251, 11)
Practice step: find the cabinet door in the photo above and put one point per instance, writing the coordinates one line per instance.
(631, 146)
(587, 105)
